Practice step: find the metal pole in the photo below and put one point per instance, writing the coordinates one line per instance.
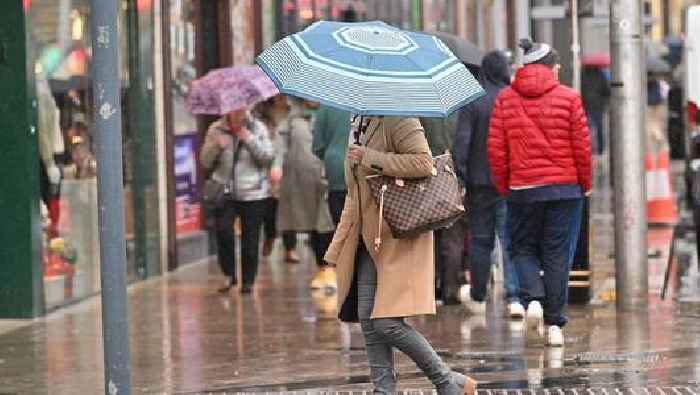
(544, 29)
(522, 25)
(628, 147)
(576, 46)
(110, 195)
(480, 28)
(499, 24)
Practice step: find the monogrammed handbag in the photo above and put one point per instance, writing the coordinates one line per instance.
(414, 206)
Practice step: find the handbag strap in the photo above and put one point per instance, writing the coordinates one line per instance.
(384, 188)
(378, 239)
(236, 156)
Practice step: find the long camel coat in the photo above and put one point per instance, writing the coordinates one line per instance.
(405, 269)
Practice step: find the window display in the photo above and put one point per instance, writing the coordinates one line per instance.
(439, 16)
(59, 48)
(184, 71)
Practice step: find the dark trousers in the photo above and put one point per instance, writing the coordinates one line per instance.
(251, 214)
(336, 202)
(541, 235)
(595, 121)
(319, 244)
(449, 244)
(289, 238)
(270, 218)
(487, 218)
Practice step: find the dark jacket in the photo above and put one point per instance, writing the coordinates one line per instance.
(440, 133)
(595, 90)
(470, 150)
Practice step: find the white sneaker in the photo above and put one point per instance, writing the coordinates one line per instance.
(554, 357)
(473, 306)
(464, 293)
(555, 337)
(477, 307)
(535, 315)
(516, 311)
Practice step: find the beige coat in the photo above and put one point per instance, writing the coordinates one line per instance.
(405, 267)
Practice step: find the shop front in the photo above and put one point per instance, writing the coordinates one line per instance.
(295, 15)
(57, 231)
(199, 36)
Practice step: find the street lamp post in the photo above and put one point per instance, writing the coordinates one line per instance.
(576, 46)
(522, 25)
(627, 149)
(110, 194)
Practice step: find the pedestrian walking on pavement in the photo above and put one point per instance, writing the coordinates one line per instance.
(487, 209)
(238, 153)
(381, 287)
(596, 98)
(330, 144)
(303, 204)
(273, 113)
(449, 242)
(540, 159)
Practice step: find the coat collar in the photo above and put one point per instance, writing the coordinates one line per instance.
(371, 130)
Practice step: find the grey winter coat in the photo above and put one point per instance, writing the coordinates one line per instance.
(249, 179)
(303, 203)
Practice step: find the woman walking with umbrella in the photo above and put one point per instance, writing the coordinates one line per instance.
(303, 204)
(387, 77)
(238, 154)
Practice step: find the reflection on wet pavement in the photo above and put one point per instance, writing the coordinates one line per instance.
(187, 339)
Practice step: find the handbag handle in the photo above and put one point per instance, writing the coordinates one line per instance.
(378, 239)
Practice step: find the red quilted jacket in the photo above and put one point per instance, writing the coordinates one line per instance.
(538, 134)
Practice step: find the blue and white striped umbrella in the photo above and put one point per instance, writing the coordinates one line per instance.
(371, 68)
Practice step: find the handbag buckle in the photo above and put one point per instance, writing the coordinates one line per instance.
(400, 182)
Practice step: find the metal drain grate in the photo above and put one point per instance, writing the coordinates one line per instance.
(552, 391)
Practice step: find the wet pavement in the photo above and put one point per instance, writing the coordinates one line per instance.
(187, 339)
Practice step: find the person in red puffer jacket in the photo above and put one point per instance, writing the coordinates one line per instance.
(540, 157)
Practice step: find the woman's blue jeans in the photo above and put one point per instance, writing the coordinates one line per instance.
(382, 335)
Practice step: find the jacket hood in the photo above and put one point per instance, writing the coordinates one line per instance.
(534, 80)
(495, 70)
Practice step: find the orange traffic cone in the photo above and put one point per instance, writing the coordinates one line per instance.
(661, 204)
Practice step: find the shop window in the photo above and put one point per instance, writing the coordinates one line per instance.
(183, 71)
(59, 47)
(439, 15)
(295, 15)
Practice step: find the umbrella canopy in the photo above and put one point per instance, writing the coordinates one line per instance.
(464, 50)
(657, 65)
(372, 69)
(597, 59)
(224, 90)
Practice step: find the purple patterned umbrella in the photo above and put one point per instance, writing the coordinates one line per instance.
(224, 90)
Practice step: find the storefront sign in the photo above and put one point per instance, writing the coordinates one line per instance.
(187, 205)
(548, 12)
